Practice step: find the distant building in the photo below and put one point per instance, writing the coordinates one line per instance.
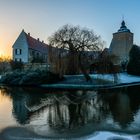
(121, 44)
(28, 49)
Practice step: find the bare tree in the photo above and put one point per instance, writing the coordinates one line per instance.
(76, 41)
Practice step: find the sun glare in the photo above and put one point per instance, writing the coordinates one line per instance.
(1, 53)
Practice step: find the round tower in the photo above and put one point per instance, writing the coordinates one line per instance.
(121, 44)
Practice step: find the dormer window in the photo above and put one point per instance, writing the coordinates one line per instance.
(18, 51)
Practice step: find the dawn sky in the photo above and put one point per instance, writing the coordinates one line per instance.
(43, 17)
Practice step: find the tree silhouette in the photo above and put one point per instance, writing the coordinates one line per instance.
(133, 66)
(76, 41)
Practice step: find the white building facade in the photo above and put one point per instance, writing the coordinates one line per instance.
(27, 49)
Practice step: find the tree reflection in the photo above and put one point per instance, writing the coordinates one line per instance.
(66, 109)
(70, 109)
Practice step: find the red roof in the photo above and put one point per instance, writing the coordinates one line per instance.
(37, 45)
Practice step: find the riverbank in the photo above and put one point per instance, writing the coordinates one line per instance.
(77, 82)
(99, 82)
(20, 133)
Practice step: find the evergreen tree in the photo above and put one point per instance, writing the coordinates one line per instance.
(133, 66)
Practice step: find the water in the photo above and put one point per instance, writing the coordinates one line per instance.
(110, 114)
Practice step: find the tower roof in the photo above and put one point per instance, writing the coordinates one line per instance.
(123, 27)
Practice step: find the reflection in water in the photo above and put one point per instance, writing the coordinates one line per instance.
(75, 109)
(67, 109)
(124, 105)
(121, 110)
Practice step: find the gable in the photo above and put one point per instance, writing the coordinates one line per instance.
(21, 41)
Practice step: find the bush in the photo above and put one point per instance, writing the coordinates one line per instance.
(36, 77)
(15, 65)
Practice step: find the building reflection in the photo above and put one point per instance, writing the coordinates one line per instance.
(120, 108)
(75, 108)
(123, 104)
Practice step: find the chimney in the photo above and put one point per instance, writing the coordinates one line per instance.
(42, 41)
(28, 34)
(38, 39)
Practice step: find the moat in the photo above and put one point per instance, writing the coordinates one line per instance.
(71, 114)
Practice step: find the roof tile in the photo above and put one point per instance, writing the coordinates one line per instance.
(37, 45)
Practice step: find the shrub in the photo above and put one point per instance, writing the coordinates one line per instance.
(15, 65)
(36, 77)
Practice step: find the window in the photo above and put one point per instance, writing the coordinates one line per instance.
(18, 60)
(18, 51)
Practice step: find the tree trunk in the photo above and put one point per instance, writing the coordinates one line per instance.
(71, 68)
(82, 68)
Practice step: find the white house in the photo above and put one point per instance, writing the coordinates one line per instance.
(28, 49)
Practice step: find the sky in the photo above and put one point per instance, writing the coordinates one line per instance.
(41, 18)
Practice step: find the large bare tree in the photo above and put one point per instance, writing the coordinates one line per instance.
(76, 41)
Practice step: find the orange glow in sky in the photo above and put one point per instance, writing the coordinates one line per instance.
(5, 48)
(5, 45)
(7, 38)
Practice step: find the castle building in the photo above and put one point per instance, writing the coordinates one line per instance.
(27, 49)
(121, 44)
